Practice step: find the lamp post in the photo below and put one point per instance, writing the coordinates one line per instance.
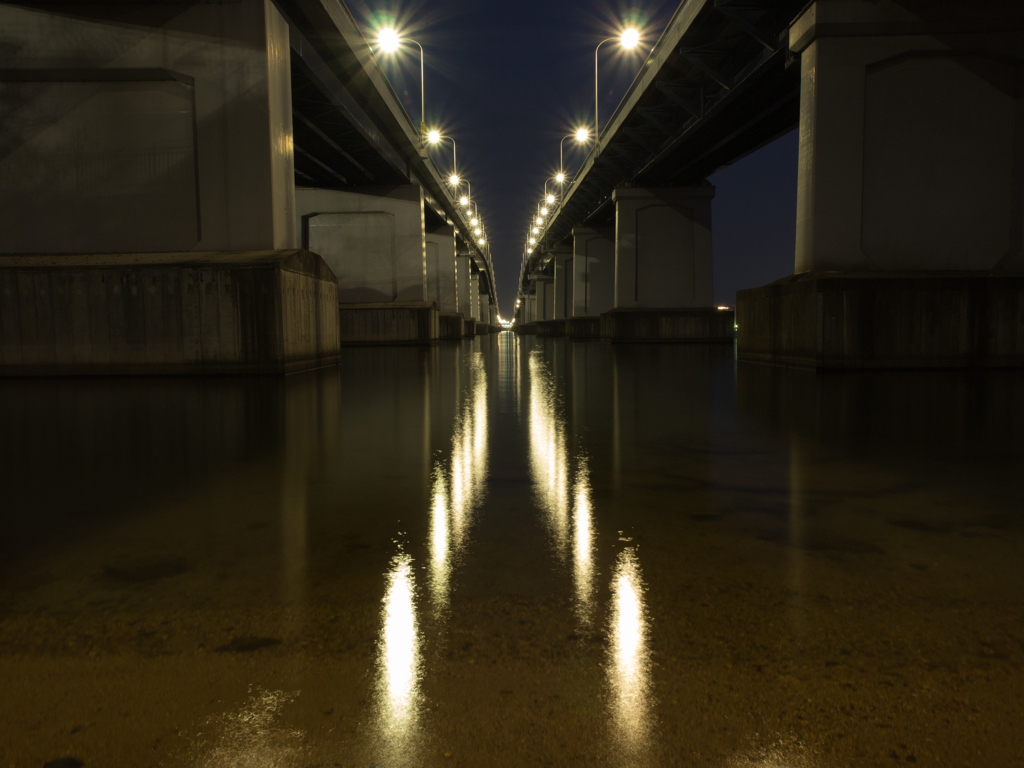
(389, 41)
(628, 39)
(435, 137)
(581, 135)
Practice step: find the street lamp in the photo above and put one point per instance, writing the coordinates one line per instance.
(435, 137)
(580, 135)
(390, 41)
(629, 40)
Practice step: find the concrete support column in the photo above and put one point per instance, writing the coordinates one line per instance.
(464, 274)
(441, 270)
(910, 204)
(545, 297)
(663, 247)
(563, 298)
(474, 294)
(872, 195)
(374, 241)
(158, 130)
(663, 270)
(593, 269)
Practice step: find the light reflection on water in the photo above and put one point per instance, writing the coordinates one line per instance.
(399, 661)
(548, 456)
(583, 545)
(629, 671)
(456, 494)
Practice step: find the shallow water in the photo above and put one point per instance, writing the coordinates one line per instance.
(510, 552)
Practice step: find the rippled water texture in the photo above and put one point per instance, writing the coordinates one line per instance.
(514, 552)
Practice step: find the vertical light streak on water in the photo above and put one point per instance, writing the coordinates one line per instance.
(583, 544)
(399, 664)
(548, 455)
(629, 670)
(440, 564)
(456, 495)
(795, 551)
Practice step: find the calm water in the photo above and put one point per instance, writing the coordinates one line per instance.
(514, 552)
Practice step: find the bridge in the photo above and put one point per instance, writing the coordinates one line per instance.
(236, 188)
(204, 188)
(897, 265)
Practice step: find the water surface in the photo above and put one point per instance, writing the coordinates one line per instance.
(512, 552)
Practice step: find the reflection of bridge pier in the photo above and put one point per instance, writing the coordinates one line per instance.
(164, 177)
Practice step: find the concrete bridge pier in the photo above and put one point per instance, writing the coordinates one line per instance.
(557, 294)
(464, 276)
(374, 241)
(469, 293)
(147, 221)
(593, 280)
(442, 281)
(545, 297)
(663, 270)
(910, 208)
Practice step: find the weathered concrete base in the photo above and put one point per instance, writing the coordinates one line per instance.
(674, 325)
(247, 312)
(451, 326)
(583, 328)
(885, 320)
(409, 322)
(551, 327)
(468, 328)
(526, 329)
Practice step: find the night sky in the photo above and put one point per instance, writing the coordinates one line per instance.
(507, 80)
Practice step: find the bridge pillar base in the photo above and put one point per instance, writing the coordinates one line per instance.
(885, 320)
(671, 325)
(167, 314)
(583, 328)
(551, 327)
(451, 326)
(395, 322)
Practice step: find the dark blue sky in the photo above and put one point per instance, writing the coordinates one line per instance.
(509, 79)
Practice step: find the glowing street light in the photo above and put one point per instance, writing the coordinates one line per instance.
(464, 201)
(550, 199)
(473, 221)
(580, 135)
(390, 41)
(435, 137)
(540, 219)
(544, 211)
(629, 40)
(477, 231)
(535, 230)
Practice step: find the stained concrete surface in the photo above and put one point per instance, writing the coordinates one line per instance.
(515, 551)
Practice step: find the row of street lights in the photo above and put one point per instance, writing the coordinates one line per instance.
(628, 40)
(389, 41)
